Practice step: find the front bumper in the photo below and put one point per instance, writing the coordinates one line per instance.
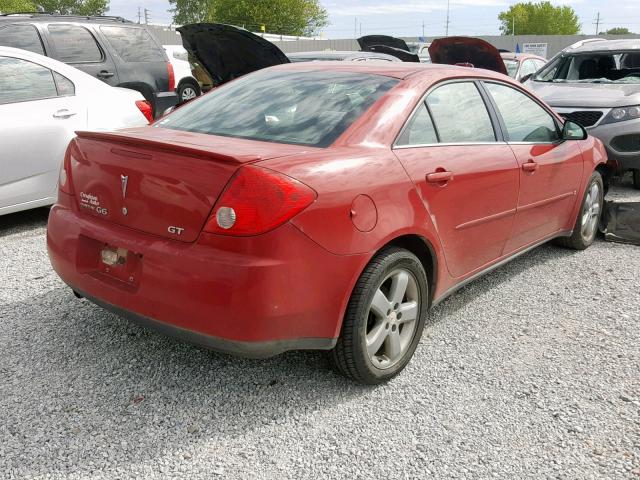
(611, 133)
(249, 296)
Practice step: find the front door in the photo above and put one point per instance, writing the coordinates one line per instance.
(550, 169)
(468, 181)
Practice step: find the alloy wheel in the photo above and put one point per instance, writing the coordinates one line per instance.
(591, 211)
(392, 318)
(188, 93)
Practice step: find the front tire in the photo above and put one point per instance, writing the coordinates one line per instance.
(384, 319)
(586, 227)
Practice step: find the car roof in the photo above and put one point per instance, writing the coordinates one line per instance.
(54, 17)
(608, 46)
(399, 70)
(337, 54)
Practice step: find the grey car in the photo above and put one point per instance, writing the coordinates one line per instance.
(597, 84)
(112, 49)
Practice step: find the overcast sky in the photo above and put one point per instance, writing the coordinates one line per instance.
(406, 17)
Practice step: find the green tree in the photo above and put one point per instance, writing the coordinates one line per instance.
(284, 17)
(540, 18)
(618, 31)
(75, 7)
(12, 6)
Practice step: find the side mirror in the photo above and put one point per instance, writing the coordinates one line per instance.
(573, 131)
(526, 77)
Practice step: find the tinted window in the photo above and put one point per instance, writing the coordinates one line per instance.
(21, 81)
(308, 108)
(74, 44)
(133, 44)
(65, 86)
(419, 130)
(526, 121)
(21, 36)
(460, 114)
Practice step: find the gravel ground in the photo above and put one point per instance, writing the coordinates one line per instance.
(530, 372)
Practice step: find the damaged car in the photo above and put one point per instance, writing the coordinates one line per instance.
(597, 84)
(321, 205)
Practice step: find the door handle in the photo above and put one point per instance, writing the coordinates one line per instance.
(105, 74)
(439, 177)
(64, 113)
(530, 166)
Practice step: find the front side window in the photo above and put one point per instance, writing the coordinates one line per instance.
(133, 44)
(460, 114)
(419, 130)
(23, 81)
(303, 108)
(74, 44)
(21, 36)
(524, 119)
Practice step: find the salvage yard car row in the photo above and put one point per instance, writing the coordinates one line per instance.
(313, 205)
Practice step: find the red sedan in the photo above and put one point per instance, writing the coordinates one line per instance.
(321, 206)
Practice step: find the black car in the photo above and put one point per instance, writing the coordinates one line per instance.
(118, 52)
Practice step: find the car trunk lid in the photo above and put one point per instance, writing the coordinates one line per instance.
(467, 50)
(388, 45)
(228, 52)
(159, 181)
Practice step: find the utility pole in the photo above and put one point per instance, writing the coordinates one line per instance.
(513, 26)
(146, 16)
(422, 28)
(597, 23)
(355, 27)
(446, 28)
(139, 15)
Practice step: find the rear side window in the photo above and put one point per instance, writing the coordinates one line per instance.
(23, 81)
(303, 108)
(525, 120)
(65, 86)
(419, 130)
(22, 36)
(74, 44)
(133, 44)
(460, 114)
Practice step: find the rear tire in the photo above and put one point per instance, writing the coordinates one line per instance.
(188, 90)
(586, 227)
(384, 319)
(636, 178)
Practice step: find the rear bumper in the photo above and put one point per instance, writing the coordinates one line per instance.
(162, 101)
(253, 296)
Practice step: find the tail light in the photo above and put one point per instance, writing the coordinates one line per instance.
(145, 108)
(257, 200)
(64, 177)
(172, 77)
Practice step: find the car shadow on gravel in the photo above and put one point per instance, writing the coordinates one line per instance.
(76, 372)
(20, 222)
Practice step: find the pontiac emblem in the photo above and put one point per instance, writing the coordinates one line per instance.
(124, 179)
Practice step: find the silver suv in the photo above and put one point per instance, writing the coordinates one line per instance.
(597, 84)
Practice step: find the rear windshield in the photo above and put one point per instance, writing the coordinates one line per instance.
(304, 108)
(133, 44)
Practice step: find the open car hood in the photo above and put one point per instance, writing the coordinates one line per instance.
(228, 52)
(389, 45)
(467, 50)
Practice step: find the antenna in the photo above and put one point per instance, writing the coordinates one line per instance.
(446, 28)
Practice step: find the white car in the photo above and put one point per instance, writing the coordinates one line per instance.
(42, 103)
(187, 86)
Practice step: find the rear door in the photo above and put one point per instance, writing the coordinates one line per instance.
(38, 115)
(467, 177)
(550, 169)
(75, 45)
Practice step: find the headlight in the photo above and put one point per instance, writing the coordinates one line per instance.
(622, 114)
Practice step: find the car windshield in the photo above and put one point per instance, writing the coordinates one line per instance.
(512, 67)
(593, 67)
(304, 108)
